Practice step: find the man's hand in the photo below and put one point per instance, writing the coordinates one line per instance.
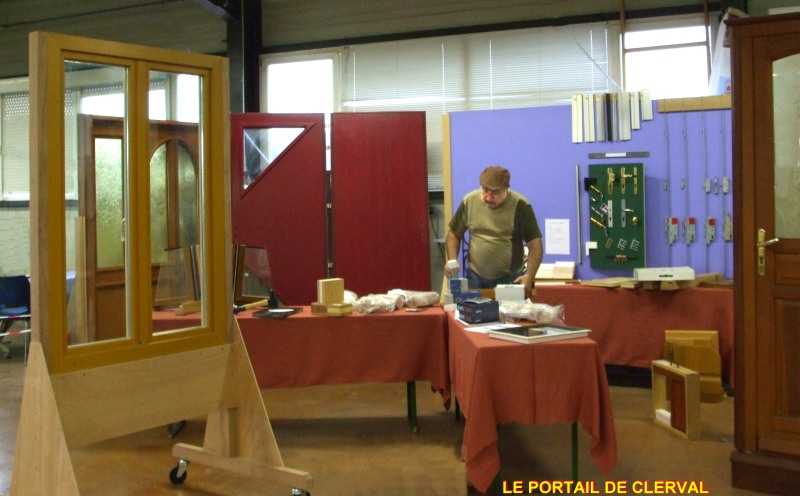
(527, 282)
(451, 268)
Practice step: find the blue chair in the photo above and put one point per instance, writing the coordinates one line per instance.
(15, 304)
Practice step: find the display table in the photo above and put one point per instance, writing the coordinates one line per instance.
(629, 324)
(496, 382)
(309, 350)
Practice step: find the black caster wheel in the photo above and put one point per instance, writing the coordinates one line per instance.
(178, 474)
(299, 492)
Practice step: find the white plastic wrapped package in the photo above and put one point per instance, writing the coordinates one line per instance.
(378, 303)
(536, 312)
(417, 299)
(350, 297)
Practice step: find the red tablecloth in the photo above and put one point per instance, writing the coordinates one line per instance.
(306, 349)
(629, 324)
(497, 382)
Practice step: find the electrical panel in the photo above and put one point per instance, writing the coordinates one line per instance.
(616, 215)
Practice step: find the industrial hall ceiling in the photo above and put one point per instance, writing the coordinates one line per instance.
(200, 25)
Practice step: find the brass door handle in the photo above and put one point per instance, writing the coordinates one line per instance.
(761, 244)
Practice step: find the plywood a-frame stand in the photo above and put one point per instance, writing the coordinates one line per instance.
(78, 395)
(66, 411)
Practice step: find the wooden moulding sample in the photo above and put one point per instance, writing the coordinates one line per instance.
(696, 103)
(330, 291)
(334, 309)
(676, 398)
(612, 282)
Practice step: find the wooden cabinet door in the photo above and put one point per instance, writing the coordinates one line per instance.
(766, 114)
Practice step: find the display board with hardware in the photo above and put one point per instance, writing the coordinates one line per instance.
(616, 215)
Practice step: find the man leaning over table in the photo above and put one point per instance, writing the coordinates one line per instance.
(501, 224)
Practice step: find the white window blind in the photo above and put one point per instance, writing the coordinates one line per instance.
(15, 113)
(519, 68)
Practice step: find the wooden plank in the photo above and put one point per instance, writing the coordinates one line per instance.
(610, 282)
(252, 470)
(715, 102)
(174, 387)
(42, 462)
(239, 438)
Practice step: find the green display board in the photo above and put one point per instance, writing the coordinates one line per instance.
(616, 213)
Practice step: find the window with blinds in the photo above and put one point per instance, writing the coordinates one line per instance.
(14, 130)
(517, 68)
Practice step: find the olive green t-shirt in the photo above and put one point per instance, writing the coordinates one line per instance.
(497, 236)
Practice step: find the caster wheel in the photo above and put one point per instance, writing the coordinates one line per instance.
(299, 492)
(178, 474)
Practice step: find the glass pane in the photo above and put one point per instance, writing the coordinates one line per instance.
(786, 91)
(176, 210)
(662, 37)
(299, 87)
(95, 172)
(108, 185)
(669, 72)
(158, 205)
(262, 146)
(187, 197)
(252, 275)
(786, 124)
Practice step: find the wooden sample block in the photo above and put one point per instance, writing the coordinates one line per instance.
(697, 350)
(676, 398)
(330, 291)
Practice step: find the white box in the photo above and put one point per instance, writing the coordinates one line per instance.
(509, 292)
(664, 274)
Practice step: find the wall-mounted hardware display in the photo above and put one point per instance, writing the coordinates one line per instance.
(616, 215)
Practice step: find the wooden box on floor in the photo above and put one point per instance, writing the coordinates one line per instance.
(676, 398)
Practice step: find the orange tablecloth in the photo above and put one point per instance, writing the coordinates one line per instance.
(629, 324)
(497, 382)
(306, 349)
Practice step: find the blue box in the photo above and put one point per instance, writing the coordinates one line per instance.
(468, 295)
(458, 284)
(479, 310)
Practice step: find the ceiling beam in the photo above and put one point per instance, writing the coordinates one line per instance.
(224, 9)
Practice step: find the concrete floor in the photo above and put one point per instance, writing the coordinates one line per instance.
(355, 440)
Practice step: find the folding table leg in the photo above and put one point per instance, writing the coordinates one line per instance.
(575, 451)
(411, 393)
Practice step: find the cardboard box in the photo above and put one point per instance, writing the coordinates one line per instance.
(459, 298)
(509, 292)
(664, 274)
(479, 310)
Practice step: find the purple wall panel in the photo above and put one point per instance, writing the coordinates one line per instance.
(535, 144)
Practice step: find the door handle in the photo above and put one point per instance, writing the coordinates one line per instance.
(761, 244)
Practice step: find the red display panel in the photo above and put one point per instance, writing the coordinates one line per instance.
(379, 176)
(282, 208)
